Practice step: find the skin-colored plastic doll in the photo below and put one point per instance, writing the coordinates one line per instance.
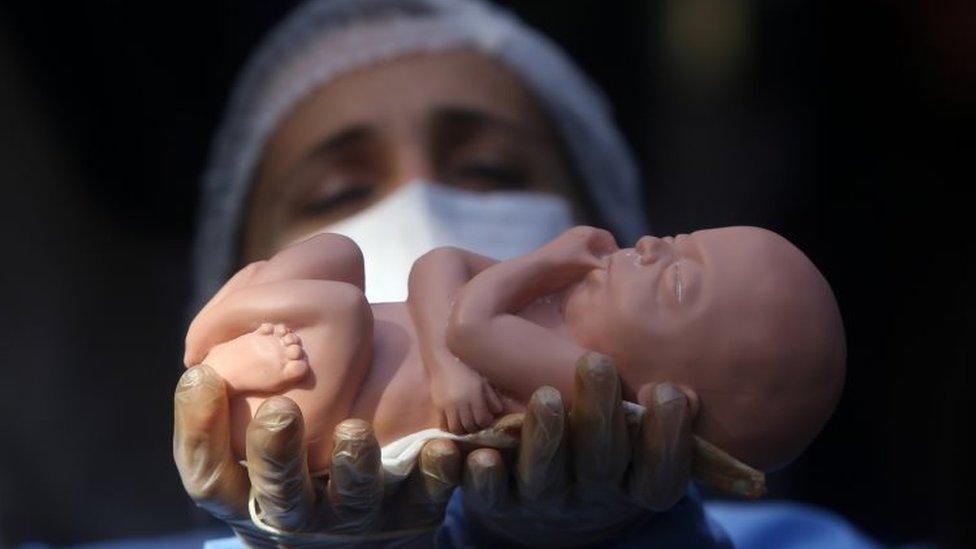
(737, 316)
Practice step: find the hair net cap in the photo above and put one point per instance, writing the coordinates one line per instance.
(324, 38)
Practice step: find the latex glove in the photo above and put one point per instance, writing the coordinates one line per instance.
(351, 505)
(579, 478)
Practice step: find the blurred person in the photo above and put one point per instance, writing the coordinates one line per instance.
(407, 125)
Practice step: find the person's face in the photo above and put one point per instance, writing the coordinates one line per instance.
(680, 298)
(457, 117)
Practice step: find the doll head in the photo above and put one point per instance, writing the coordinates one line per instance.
(738, 315)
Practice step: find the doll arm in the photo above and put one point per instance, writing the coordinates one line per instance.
(484, 331)
(466, 400)
(435, 280)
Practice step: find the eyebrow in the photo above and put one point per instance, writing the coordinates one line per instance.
(452, 116)
(474, 118)
(347, 137)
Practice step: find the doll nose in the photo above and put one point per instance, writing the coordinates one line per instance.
(650, 248)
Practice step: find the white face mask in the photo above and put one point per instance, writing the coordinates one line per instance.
(421, 216)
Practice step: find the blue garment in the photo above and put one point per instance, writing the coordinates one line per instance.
(684, 525)
(757, 525)
(785, 524)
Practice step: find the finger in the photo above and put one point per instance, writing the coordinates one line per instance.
(482, 417)
(603, 242)
(277, 465)
(541, 469)
(453, 425)
(494, 401)
(467, 419)
(485, 481)
(356, 479)
(425, 493)
(662, 458)
(601, 449)
(440, 468)
(201, 444)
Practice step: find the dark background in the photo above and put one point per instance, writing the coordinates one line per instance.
(841, 126)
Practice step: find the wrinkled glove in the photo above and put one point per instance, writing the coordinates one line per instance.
(586, 476)
(275, 502)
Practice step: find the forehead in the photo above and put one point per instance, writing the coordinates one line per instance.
(399, 94)
(740, 248)
(752, 276)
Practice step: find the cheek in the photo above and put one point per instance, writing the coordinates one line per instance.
(585, 311)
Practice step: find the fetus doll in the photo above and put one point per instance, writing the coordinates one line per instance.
(736, 316)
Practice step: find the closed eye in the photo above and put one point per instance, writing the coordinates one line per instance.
(678, 282)
(341, 196)
(490, 176)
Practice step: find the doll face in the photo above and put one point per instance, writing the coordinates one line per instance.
(686, 297)
(737, 314)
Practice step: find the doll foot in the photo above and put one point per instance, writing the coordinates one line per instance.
(265, 360)
(295, 363)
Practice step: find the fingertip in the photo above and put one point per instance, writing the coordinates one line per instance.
(452, 422)
(547, 398)
(485, 459)
(670, 395)
(440, 463)
(593, 370)
(197, 376)
(277, 413)
(199, 385)
(467, 420)
(440, 450)
(482, 417)
(494, 401)
(484, 476)
(694, 402)
(353, 429)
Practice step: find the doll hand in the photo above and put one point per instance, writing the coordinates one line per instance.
(466, 399)
(578, 249)
(352, 505)
(587, 476)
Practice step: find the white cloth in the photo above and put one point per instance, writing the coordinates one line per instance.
(400, 455)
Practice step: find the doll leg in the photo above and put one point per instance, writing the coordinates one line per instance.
(326, 256)
(248, 335)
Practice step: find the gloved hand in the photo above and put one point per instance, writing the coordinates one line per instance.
(579, 479)
(298, 510)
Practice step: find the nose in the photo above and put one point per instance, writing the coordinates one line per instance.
(411, 161)
(651, 248)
